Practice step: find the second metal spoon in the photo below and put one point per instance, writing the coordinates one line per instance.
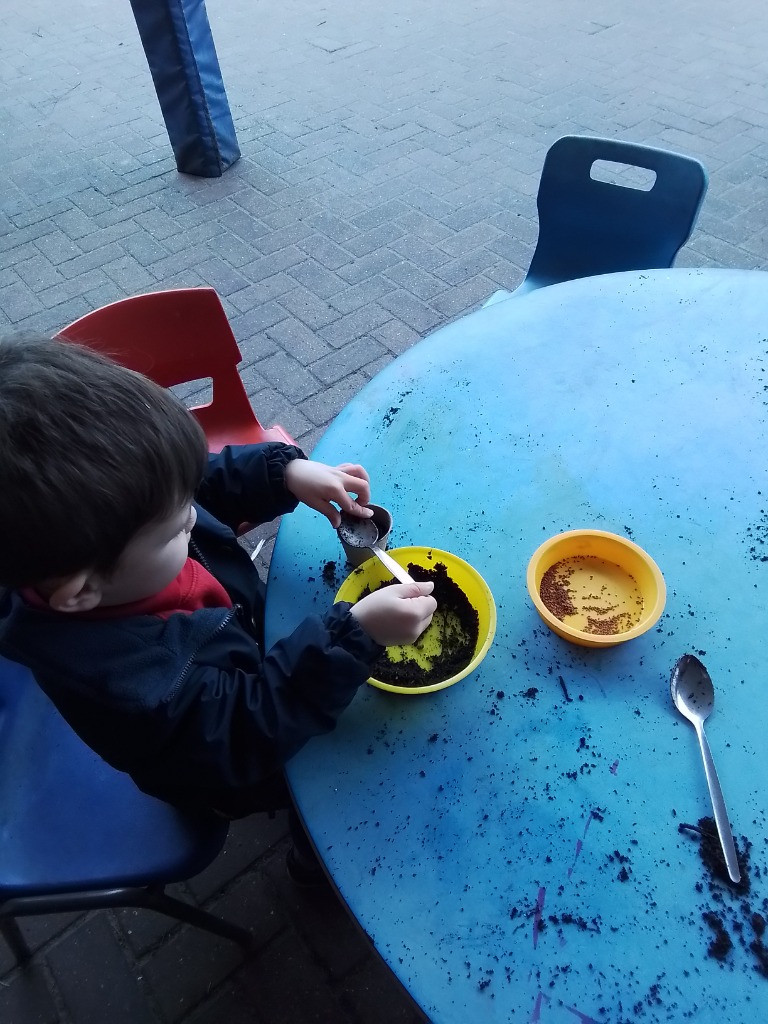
(694, 697)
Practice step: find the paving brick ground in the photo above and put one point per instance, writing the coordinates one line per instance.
(391, 155)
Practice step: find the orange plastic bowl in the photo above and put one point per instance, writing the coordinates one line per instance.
(594, 588)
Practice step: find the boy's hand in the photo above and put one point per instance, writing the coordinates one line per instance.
(318, 486)
(397, 614)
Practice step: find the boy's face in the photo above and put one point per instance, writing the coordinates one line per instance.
(151, 560)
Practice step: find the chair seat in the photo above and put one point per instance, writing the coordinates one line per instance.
(68, 821)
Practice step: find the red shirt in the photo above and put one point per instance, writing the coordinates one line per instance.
(193, 588)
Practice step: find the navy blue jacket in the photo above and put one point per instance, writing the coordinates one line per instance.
(190, 705)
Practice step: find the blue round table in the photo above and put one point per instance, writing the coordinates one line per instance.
(512, 844)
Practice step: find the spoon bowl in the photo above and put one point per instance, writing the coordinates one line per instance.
(356, 532)
(693, 693)
(364, 533)
(694, 697)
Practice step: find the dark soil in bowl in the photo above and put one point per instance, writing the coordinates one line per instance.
(459, 628)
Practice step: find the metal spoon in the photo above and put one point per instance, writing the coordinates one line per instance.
(363, 533)
(694, 697)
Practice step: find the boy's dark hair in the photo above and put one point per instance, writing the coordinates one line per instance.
(90, 453)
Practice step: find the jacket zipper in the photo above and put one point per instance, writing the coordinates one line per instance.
(231, 612)
(199, 556)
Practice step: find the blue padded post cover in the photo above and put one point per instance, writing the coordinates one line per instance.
(178, 43)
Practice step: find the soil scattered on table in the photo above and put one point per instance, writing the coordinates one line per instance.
(455, 621)
(732, 917)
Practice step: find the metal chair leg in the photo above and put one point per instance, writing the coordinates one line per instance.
(16, 941)
(152, 897)
(158, 899)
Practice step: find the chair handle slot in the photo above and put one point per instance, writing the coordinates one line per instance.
(624, 175)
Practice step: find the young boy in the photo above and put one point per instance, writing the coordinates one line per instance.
(129, 598)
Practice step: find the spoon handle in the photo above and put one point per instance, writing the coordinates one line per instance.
(718, 806)
(397, 570)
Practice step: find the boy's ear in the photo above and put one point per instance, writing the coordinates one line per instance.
(79, 593)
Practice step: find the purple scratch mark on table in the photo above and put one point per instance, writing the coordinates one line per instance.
(580, 842)
(613, 767)
(537, 915)
(540, 998)
(583, 1017)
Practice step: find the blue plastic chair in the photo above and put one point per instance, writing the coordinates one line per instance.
(75, 834)
(589, 227)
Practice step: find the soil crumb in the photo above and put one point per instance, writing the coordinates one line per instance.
(329, 574)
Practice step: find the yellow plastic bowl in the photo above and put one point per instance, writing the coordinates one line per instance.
(613, 585)
(372, 573)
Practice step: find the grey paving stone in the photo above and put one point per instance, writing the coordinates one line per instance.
(96, 259)
(355, 324)
(289, 377)
(298, 340)
(325, 251)
(96, 979)
(129, 275)
(82, 285)
(396, 336)
(355, 355)
(322, 407)
(351, 299)
(312, 275)
(58, 247)
(248, 840)
(276, 262)
(420, 253)
(377, 997)
(286, 984)
(228, 1005)
(412, 311)
(38, 273)
(194, 238)
(262, 292)
(17, 301)
(417, 281)
(184, 971)
(26, 997)
(370, 265)
(221, 276)
(271, 407)
(308, 308)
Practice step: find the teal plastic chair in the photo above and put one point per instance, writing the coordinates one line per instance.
(589, 227)
(75, 834)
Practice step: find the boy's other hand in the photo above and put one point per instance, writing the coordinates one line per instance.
(324, 487)
(397, 614)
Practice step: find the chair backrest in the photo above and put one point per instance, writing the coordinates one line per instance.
(68, 821)
(589, 226)
(174, 337)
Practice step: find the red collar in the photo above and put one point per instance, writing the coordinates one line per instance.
(193, 588)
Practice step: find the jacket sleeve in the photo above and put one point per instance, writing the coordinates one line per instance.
(237, 725)
(246, 483)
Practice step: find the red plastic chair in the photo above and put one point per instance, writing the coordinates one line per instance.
(174, 337)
